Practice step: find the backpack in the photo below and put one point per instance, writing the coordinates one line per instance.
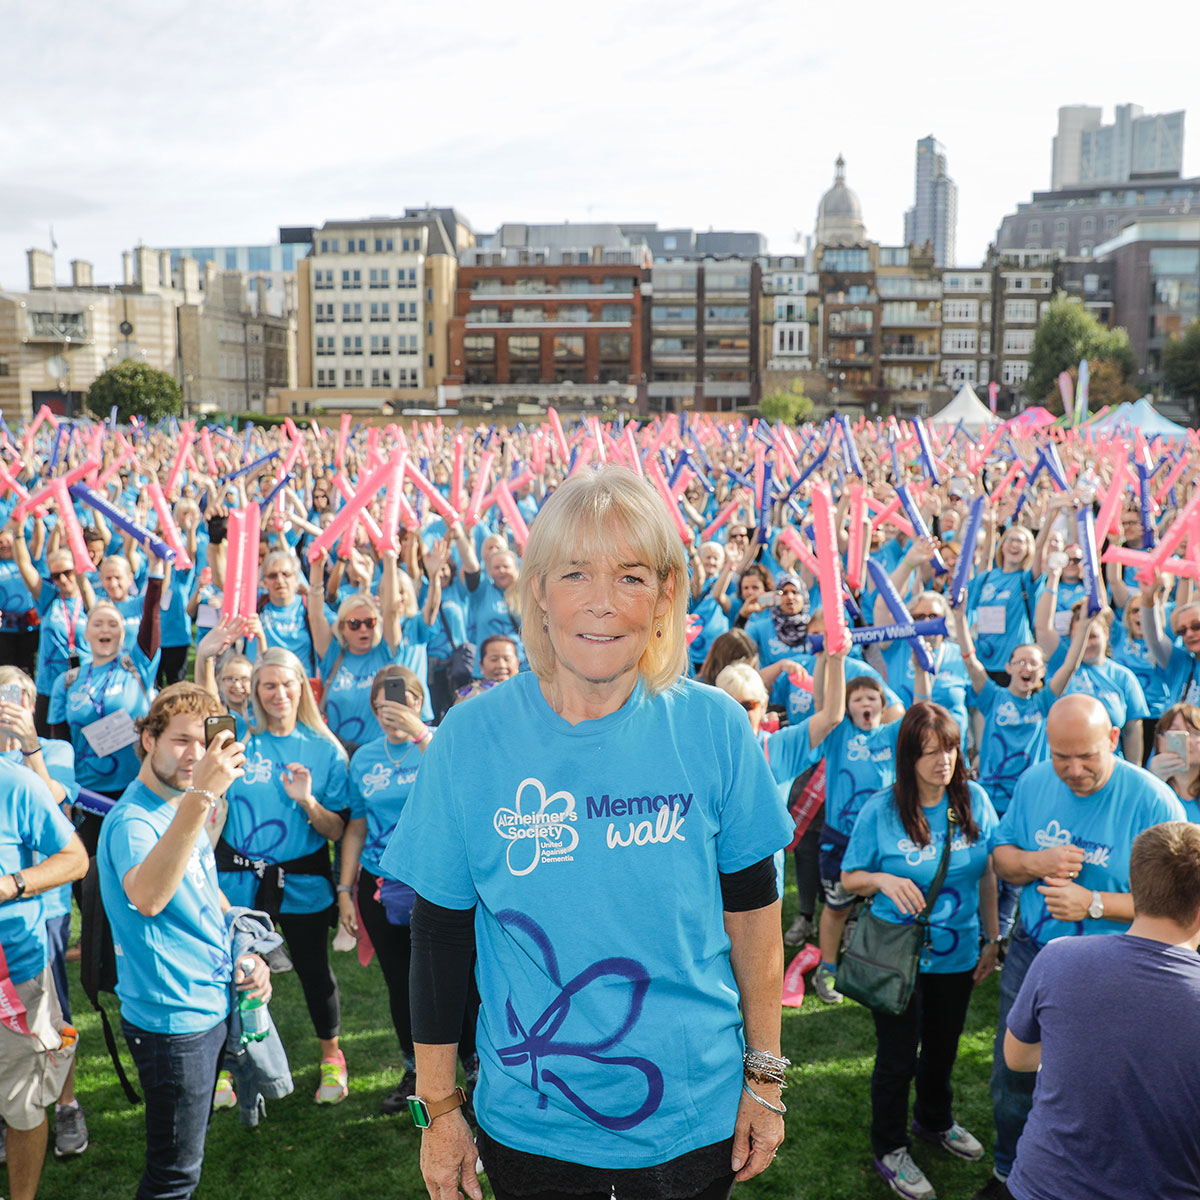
(98, 965)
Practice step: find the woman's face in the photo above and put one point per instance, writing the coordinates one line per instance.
(1135, 621)
(711, 559)
(751, 588)
(935, 767)
(1074, 568)
(1179, 725)
(1012, 548)
(502, 568)
(928, 611)
(358, 628)
(116, 581)
(600, 614)
(234, 684)
(279, 693)
(791, 601)
(105, 632)
(1096, 645)
(755, 711)
(320, 499)
(1027, 669)
(62, 575)
(280, 578)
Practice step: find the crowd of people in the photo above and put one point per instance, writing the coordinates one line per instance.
(533, 716)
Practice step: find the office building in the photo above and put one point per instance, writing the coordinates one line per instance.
(934, 216)
(1085, 151)
(667, 245)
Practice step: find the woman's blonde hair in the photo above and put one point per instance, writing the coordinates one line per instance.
(587, 518)
(307, 712)
(347, 606)
(9, 674)
(1026, 536)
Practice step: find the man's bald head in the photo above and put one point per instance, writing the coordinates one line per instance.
(1082, 740)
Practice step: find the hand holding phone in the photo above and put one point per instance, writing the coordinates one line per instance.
(214, 725)
(1176, 741)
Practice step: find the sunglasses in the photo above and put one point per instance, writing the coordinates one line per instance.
(749, 705)
(61, 575)
(1194, 627)
(281, 575)
(1074, 558)
(361, 623)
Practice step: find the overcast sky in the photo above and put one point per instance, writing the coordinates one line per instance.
(176, 123)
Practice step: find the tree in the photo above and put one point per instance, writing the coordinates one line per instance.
(1066, 334)
(1181, 363)
(138, 390)
(1105, 386)
(790, 407)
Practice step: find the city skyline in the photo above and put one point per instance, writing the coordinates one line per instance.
(224, 124)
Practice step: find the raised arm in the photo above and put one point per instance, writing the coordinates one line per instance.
(389, 600)
(29, 574)
(975, 670)
(318, 623)
(1047, 608)
(833, 700)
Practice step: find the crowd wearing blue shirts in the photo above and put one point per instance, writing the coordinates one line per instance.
(341, 655)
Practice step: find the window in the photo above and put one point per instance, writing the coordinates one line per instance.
(3, 366)
(960, 310)
(352, 345)
(568, 348)
(352, 312)
(673, 345)
(617, 312)
(846, 259)
(429, 328)
(573, 314)
(329, 245)
(412, 344)
(352, 279)
(1014, 372)
(381, 377)
(381, 343)
(1088, 225)
(662, 313)
(524, 347)
(383, 244)
(985, 342)
(1110, 224)
(726, 344)
(407, 314)
(959, 370)
(1018, 341)
(322, 280)
(528, 314)
(379, 277)
(326, 378)
(323, 313)
(486, 315)
(1035, 228)
(1060, 227)
(1020, 310)
(614, 346)
(479, 347)
(959, 341)
(325, 345)
(406, 279)
(669, 242)
(726, 313)
(572, 283)
(380, 310)
(352, 377)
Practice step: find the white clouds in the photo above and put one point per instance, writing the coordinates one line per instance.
(179, 123)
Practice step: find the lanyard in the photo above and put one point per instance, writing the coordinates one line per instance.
(98, 707)
(70, 620)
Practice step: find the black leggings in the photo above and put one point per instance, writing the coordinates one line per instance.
(719, 1189)
(393, 948)
(307, 937)
(808, 867)
(172, 665)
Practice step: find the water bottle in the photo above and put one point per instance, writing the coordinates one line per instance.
(252, 1009)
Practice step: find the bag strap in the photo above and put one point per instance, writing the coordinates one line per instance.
(936, 886)
(337, 665)
(446, 627)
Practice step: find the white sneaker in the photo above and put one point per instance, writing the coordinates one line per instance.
(903, 1175)
(801, 930)
(955, 1140)
(823, 981)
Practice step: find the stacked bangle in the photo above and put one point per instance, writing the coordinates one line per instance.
(778, 1111)
(211, 799)
(761, 1067)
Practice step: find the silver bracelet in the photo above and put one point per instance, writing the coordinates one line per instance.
(211, 798)
(765, 1067)
(345, 889)
(755, 1096)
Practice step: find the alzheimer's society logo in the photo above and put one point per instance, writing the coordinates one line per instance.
(538, 828)
(1053, 835)
(375, 780)
(258, 769)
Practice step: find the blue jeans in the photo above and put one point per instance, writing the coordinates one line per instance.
(1012, 1091)
(1008, 898)
(58, 934)
(178, 1072)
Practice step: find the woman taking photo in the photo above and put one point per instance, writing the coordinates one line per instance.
(636, 1041)
(275, 817)
(382, 772)
(893, 856)
(1176, 758)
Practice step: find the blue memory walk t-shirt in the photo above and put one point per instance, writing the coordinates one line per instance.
(1010, 725)
(32, 827)
(858, 762)
(1096, 1055)
(1002, 605)
(1044, 813)
(348, 678)
(610, 1022)
(1115, 686)
(881, 843)
(97, 692)
(381, 778)
(798, 701)
(173, 969)
(265, 823)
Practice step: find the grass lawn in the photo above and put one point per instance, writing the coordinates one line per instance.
(351, 1151)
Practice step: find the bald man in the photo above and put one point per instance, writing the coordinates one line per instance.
(1065, 841)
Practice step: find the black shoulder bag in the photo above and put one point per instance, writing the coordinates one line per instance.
(879, 967)
(461, 664)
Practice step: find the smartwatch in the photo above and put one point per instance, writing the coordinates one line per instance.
(1096, 908)
(425, 1112)
(19, 880)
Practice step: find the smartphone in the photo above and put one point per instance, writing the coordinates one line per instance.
(1175, 741)
(770, 599)
(10, 693)
(214, 725)
(395, 690)
(1056, 560)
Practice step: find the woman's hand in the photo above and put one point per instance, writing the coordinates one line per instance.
(297, 783)
(258, 982)
(757, 1134)
(988, 958)
(399, 718)
(448, 1154)
(19, 721)
(1163, 765)
(903, 893)
(346, 914)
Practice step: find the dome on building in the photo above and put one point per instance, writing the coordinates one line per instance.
(839, 215)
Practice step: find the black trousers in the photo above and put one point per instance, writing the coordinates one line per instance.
(172, 665)
(719, 1189)
(307, 937)
(920, 1044)
(19, 649)
(393, 948)
(808, 867)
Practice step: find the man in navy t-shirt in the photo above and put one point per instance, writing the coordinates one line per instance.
(1065, 840)
(1116, 1108)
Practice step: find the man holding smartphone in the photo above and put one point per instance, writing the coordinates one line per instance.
(158, 881)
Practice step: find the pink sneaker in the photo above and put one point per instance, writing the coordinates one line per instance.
(334, 1080)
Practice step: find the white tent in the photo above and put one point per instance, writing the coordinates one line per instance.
(966, 408)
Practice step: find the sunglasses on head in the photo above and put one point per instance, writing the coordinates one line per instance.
(360, 623)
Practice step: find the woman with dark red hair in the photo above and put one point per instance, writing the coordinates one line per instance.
(893, 856)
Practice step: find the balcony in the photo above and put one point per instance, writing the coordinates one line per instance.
(904, 350)
(922, 319)
(596, 291)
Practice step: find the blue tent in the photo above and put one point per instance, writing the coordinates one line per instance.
(1141, 414)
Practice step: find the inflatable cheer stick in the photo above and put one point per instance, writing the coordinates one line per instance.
(1086, 536)
(886, 514)
(343, 434)
(829, 564)
(482, 477)
(854, 547)
(248, 581)
(512, 514)
(896, 606)
(166, 524)
(123, 521)
(933, 627)
(920, 529)
(656, 477)
(1110, 509)
(373, 484)
(966, 554)
(74, 531)
(68, 480)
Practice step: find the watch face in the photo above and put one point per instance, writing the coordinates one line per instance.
(419, 1111)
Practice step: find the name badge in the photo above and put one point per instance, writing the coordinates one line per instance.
(991, 619)
(110, 734)
(207, 616)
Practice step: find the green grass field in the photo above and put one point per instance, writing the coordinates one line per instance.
(314, 1153)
